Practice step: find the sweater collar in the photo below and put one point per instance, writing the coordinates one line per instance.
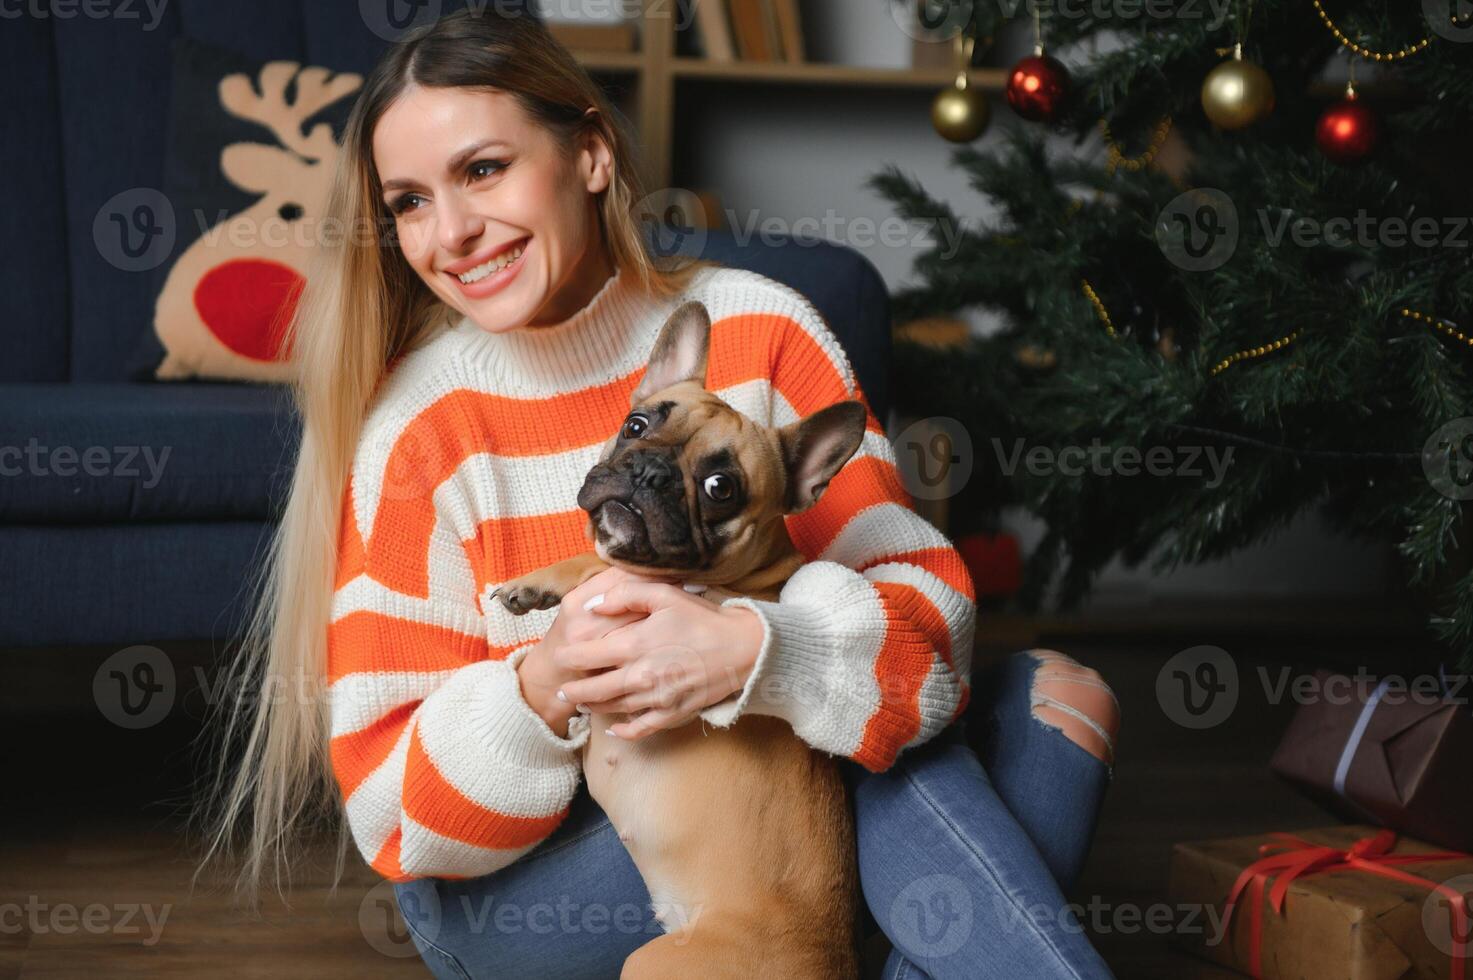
(608, 338)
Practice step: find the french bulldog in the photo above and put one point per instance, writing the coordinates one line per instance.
(743, 835)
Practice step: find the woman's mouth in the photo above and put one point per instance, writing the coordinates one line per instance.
(492, 275)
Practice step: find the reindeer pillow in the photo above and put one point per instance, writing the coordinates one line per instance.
(251, 152)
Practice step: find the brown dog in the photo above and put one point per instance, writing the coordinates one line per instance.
(743, 835)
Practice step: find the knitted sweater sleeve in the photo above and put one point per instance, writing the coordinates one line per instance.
(868, 649)
(444, 768)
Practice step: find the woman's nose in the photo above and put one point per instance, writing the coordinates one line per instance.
(458, 223)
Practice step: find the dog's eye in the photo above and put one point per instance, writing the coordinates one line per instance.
(718, 486)
(634, 427)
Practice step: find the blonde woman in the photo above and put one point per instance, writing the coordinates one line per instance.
(459, 370)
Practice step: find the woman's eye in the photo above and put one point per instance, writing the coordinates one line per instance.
(718, 486)
(403, 203)
(484, 168)
(634, 427)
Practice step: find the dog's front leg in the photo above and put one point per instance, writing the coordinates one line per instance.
(546, 587)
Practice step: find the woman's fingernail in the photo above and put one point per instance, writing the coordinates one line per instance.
(561, 696)
(583, 708)
(610, 733)
(595, 601)
(695, 587)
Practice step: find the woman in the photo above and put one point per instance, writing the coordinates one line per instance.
(458, 374)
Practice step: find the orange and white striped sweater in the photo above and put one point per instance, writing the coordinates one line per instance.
(465, 477)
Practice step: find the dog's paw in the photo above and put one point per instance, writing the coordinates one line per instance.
(521, 599)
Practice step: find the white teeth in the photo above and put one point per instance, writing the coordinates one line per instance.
(495, 265)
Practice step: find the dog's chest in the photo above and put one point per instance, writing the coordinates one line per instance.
(625, 780)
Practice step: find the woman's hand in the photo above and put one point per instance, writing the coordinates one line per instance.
(680, 654)
(542, 674)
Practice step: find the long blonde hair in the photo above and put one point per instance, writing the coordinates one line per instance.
(269, 782)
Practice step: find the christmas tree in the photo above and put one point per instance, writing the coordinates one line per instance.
(1293, 299)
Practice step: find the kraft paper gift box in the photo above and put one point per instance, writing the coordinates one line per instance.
(1353, 902)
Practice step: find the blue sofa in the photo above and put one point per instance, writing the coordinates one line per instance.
(133, 512)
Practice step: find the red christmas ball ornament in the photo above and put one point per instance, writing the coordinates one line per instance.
(1348, 130)
(1037, 87)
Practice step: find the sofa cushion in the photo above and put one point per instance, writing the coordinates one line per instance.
(91, 454)
(842, 285)
(33, 249)
(122, 584)
(254, 171)
(88, 145)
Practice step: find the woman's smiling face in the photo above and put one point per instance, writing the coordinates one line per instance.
(490, 213)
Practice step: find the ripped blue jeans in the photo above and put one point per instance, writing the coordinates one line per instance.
(963, 863)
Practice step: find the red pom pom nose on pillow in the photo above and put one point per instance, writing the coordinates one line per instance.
(248, 304)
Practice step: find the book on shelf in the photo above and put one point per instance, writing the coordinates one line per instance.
(771, 31)
(790, 28)
(580, 36)
(715, 30)
(749, 20)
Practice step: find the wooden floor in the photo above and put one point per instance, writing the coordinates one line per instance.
(94, 877)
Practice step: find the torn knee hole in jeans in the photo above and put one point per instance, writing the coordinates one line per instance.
(1074, 701)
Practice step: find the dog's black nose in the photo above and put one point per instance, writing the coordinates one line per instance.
(650, 469)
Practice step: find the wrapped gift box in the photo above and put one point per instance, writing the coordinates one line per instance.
(1342, 902)
(1387, 753)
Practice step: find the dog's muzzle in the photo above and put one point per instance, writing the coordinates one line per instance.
(638, 507)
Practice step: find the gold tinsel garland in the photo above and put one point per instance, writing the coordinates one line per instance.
(1117, 159)
(1251, 353)
(1366, 53)
(1438, 323)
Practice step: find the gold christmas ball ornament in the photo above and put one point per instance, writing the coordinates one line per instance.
(1237, 93)
(960, 114)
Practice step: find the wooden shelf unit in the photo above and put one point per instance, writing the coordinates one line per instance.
(656, 72)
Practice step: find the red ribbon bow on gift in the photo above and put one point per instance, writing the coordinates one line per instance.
(1291, 857)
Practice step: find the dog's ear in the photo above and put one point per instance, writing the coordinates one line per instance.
(816, 447)
(679, 353)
